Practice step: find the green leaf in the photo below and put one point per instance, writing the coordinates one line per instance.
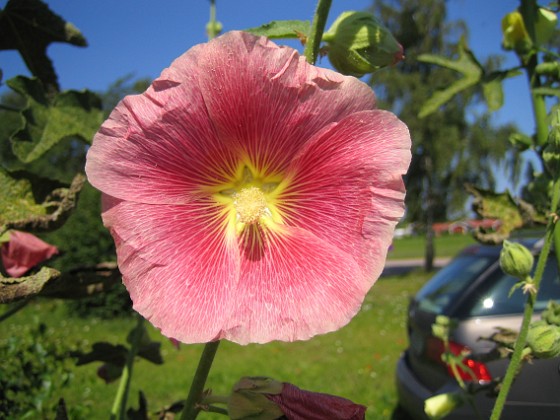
(142, 412)
(147, 349)
(45, 123)
(466, 64)
(512, 214)
(493, 94)
(492, 87)
(282, 29)
(29, 26)
(103, 352)
(13, 289)
(18, 201)
(31, 203)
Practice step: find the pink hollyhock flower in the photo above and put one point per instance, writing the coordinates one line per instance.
(252, 196)
(23, 251)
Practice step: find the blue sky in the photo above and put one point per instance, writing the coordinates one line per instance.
(143, 37)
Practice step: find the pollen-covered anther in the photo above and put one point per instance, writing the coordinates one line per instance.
(250, 204)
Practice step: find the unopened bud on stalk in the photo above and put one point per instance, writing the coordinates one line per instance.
(552, 313)
(515, 36)
(544, 340)
(516, 260)
(358, 44)
(441, 405)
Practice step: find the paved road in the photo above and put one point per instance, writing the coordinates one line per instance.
(399, 267)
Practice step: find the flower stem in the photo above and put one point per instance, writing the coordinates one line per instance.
(212, 24)
(119, 405)
(529, 10)
(311, 50)
(516, 357)
(191, 409)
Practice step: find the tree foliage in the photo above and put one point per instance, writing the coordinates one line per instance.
(454, 145)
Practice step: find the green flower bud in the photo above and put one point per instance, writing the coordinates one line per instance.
(516, 260)
(441, 405)
(551, 315)
(214, 28)
(358, 44)
(544, 340)
(545, 25)
(515, 36)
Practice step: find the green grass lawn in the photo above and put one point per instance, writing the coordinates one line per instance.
(356, 362)
(414, 246)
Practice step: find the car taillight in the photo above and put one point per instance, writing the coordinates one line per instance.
(476, 370)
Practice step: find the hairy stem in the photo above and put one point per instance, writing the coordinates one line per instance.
(191, 409)
(313, 43)
(516, 357)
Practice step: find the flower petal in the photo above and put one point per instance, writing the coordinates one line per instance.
(347, 186)
(161, 144)
(300, 404)
(299, 287)
(268, 101)
(180, 275)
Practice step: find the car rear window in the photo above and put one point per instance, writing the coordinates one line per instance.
(492, 298)
(444, 288)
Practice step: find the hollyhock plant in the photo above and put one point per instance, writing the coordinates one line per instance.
(252, 196)
(23, 251)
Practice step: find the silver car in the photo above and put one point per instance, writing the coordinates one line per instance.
(473, 289)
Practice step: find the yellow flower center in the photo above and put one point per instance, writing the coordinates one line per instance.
(250, 205)
(250, 196)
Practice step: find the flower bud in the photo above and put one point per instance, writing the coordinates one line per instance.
(441, 405)
(358, 44)
(516, 260)
(21, 251)
(515, 36)
(552, 313)
(544, 340)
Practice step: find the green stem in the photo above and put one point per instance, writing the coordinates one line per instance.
(212, 24)
(313, 43)
(191, 409)
(516, 357)
(529, 11)
(119, 405)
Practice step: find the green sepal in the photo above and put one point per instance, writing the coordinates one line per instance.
(248, 400)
